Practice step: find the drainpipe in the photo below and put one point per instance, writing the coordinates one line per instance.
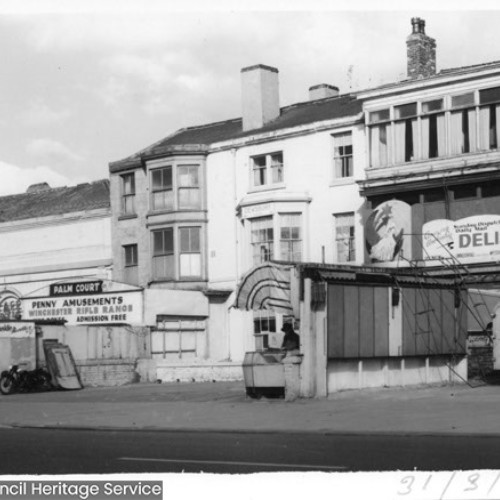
(236, 247)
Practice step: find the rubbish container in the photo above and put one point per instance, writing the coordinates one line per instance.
(264, 374)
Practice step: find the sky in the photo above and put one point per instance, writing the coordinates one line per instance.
(85, 85)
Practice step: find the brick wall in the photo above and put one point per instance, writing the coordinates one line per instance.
(107, 372)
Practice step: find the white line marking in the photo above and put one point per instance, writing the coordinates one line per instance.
(220, 462)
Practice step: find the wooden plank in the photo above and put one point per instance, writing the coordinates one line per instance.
(366, 322)
(335, 321)
(448, 321)
(435, 322)
(422, 310)
(381, 320)
(351, 321)
(408, 304)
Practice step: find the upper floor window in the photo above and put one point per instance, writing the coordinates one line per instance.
(435, 128)
(190, 252)
(175, 187)
(262, 233)
(267, 169)
(189, 186)
(342, 144)
(128, 193)
(277, 237)
(344, 237)
(163, 254)
(290, 237)
(162, 188)
(131, 262)
(177, 253)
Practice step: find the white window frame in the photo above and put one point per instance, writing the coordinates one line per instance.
(273, 172)
(178, 187)
(341, 156)
(128, 193)
(169, 337)
(337, 239)
(471, 115)
(175, 257)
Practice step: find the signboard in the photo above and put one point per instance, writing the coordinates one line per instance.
(108, 308)
(17, 330)
(385, 229)
(257, 210)
(464, 239)
(80, 288)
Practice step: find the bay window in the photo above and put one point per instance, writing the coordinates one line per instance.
(177, 253)
(189, 187)
(190, 253)
(162, 188)
(176, 187)
(163, 254)
(262, 238)
(290, 237)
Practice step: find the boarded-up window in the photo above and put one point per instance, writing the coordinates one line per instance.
(358, 321)
(431, 323)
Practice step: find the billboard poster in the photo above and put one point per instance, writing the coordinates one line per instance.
(385, 231)
(106, 308)
(471, 238)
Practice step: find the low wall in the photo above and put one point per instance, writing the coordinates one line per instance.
(106, 372)
(393, 372)
(153, 370)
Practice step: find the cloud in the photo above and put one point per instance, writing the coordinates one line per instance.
(16, 179)
(50, 150)
(39, 113)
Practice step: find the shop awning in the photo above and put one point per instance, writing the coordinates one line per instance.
(265, 287)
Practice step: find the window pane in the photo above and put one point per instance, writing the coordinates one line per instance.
(458, 101)
(343, 155)
(259, 170)
(489, 95)
(378, 116)
(262, 239)
(162, 178)
(429, 106)
(188, 176)
(345, 237)
(189, 198)
(130, 255)
(290, 241)
(405, 111)
(190, 264)
(277, 167)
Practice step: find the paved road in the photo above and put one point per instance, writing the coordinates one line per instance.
(47, 451)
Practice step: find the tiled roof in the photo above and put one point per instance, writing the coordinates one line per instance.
(55, 201)
(199, 138)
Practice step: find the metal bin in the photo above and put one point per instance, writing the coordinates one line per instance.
(264, 374)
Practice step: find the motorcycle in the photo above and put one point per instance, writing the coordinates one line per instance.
(15, 380)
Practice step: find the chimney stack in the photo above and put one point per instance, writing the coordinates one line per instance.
(421, 51)
(260, 95)
(322, 91)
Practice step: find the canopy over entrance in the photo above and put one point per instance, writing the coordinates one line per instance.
(266, 287)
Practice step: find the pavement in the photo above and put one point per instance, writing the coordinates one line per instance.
(458, 409)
